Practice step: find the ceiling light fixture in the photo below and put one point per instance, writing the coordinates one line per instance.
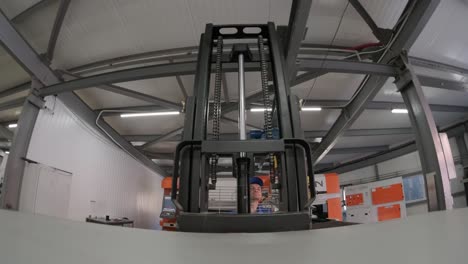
(149, 114)
(316, 109)
(12, 125)
(399, 111)
(258, 109)
(138, 143)
(7, 152)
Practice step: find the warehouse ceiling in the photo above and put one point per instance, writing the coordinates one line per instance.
(169, 31)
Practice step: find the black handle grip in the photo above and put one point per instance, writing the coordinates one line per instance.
(175, 175)
(310, 170)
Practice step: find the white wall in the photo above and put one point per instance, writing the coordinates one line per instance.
(358, 176)
(120, 185)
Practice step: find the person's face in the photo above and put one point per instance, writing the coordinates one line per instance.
(255, 192)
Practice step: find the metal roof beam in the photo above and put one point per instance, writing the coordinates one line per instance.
(5, 145)
(347, 66)
(379, 105)
(6, 133)
(28, 11)
(17, 89)
(143, 138)
(307, 76)
(140, 96)
(415, 22)
(344, 151)
(235, 122)
(462, 149)
(134, 94)
(372, 159)
(147, 72)
(434, 65)
(295, 32)
(164, 137)
(443, 84)
(362, 132)
(116, 111)
(307, 134)
(155, 56)
(24, 55)
(180, 83)
(160, 156)
(380, 33)
(54, 34)
(338, 151)
(187, 68)
(12, 104)
(135, 58)
(453, 130)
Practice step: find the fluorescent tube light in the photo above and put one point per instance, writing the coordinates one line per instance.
(399, 111)
(311, 109)
(149, 114)
(258, 109)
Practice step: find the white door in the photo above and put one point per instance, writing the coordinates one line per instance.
(45, 190)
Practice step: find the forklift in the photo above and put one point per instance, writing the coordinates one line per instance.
(255, 46)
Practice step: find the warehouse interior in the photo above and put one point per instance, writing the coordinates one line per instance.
(144, 114)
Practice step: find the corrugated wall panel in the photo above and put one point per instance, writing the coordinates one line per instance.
(102, 172)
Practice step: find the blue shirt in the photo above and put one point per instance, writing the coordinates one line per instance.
(263, 210)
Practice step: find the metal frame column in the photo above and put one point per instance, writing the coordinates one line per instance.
(300, 10)
(282, 100)
(418, 15)
(427, 138)
(201, 91)
(462, 149)
(14, 169)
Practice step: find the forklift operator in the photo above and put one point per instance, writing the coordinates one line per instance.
(256, 197)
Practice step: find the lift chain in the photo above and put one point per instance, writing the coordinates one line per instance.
(268, 127)
(217, 106)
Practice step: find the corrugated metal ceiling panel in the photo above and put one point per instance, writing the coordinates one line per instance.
(98, 98)
(11, 72)
(384, 13)
(110, 28)
(444, 38)
(325, 18)
(166, 88)
(36, 27)
(13, 7)
(331, 86)
(149, 125)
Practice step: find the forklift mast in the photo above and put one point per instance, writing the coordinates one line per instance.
(288, 154)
